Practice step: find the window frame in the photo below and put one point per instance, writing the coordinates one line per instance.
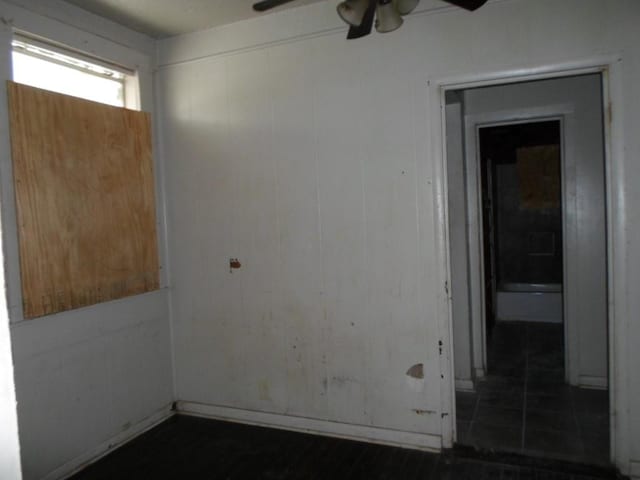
(130, 81)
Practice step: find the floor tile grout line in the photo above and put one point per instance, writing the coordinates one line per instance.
(524, 395)
(575, 419)
(473, 417)
(534, 348)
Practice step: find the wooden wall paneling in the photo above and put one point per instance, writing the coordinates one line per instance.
(84, 187)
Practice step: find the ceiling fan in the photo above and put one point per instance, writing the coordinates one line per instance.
(360, 14)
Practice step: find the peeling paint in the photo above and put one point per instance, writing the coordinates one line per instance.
(415, 378)
(416, 371)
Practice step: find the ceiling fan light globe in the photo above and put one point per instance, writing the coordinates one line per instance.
(405, 7)
(352, 11)
(387, 17)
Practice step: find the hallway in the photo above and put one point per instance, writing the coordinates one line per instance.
(524, 406)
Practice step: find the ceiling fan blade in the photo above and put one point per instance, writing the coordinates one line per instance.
(268, 4)
(365, 27)
(467, 4)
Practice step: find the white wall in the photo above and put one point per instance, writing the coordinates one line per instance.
(10, 465)
(311, 160)
(585, 288)
(89, 378)
(323, 318)
(9, 438)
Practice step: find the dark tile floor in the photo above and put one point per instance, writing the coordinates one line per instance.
(523, 405)
(194, 448)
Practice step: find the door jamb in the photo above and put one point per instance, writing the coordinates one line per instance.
(475, 240)
(611, 70)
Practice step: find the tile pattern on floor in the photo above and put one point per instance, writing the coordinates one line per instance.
(523, 405)
(196, 448)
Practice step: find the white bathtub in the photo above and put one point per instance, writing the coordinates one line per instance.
(530, 302)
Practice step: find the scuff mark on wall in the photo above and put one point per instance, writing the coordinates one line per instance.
(341, 381)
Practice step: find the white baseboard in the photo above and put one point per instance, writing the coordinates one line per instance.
(596, 383)
(384, 436)
(95, 454)
(465, 385)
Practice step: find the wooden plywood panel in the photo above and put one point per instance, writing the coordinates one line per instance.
(539, 176)
(85, 200)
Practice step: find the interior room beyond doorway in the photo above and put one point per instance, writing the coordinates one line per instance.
(528, 262)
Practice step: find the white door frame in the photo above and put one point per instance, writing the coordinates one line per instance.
(476, 265)
(611, 70)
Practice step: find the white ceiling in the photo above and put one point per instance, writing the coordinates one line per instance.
(164, 18)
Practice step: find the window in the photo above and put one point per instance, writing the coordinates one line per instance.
(51, 68)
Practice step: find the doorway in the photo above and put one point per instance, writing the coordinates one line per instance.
(532, 163)
(521, 223)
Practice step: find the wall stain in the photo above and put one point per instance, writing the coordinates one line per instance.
(340, 381)
(423, 412)
(263, 390)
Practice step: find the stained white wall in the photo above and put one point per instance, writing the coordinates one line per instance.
(9, 438)
(92, 377)
(324, 318)
(311, 160)
(585, 288)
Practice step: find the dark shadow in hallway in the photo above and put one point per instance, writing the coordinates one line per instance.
(524, 405)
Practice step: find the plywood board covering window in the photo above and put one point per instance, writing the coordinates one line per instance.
(85, 200)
